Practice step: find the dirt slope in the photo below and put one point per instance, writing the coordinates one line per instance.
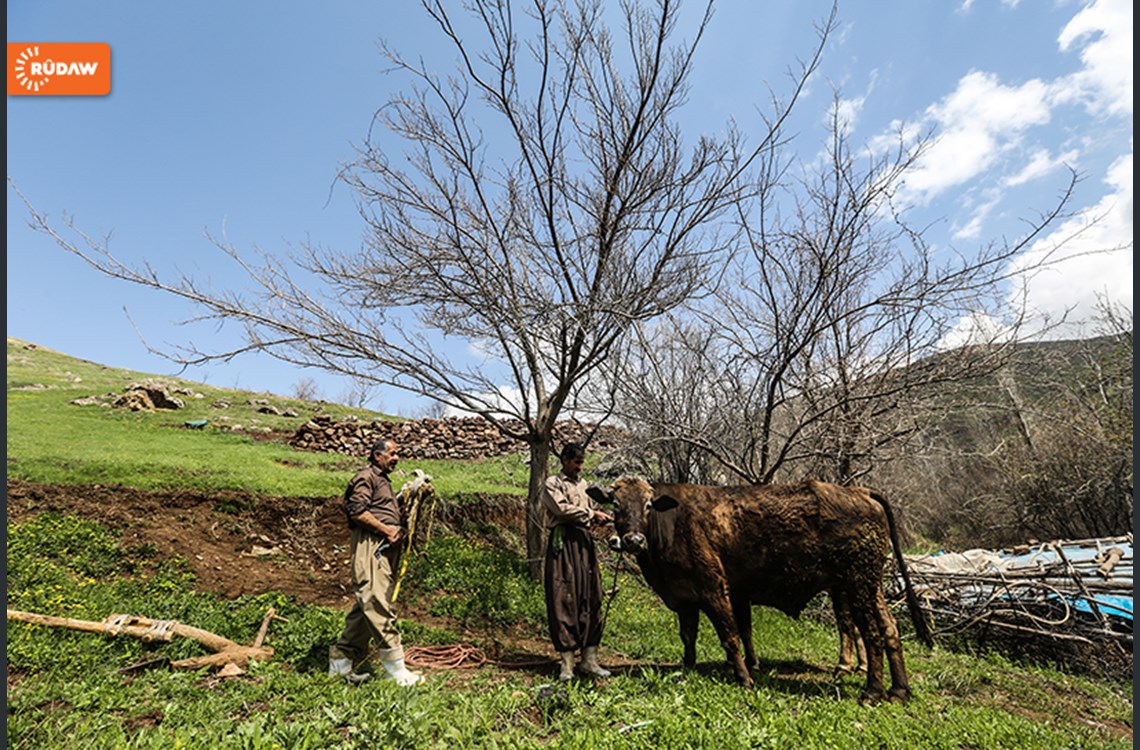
(234, 542)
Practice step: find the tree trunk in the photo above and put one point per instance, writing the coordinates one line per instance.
(535, 533)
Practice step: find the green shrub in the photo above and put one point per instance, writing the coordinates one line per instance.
(475, 583)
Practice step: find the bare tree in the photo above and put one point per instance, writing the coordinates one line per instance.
(1070, 473)
(824, 355)
(433, 410)
(358, 393)
(306, 389)
(541, 201)
(668, 392)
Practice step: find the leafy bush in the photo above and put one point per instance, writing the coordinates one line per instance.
(474, 583)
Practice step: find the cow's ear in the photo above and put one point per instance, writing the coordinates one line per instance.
(599, 495)
(664, 502)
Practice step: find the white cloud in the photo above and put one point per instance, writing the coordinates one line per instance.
(849, 110)
(1041, 164)
(983, 121)
(973, 227)
(994, 137)
(1082, 269)
(1105, 81)
(1094, 262)
(967, 5)
(977, 122)
(978, 328)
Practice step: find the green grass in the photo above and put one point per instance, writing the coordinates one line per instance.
(51, 440)
(71, 689)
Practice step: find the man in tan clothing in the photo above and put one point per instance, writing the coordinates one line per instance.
(378, 535)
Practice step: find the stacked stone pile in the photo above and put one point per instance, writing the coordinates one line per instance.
(448, 438)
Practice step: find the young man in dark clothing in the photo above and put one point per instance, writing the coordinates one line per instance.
(572, 579)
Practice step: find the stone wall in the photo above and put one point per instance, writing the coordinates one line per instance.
(448, 438)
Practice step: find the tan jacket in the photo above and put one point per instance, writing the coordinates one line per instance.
(565, 502)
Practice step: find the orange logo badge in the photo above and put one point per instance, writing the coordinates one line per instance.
(59, 69)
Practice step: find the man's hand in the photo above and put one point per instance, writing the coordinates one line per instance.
(392, 533)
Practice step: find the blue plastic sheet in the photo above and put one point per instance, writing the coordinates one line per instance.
(1082, 556)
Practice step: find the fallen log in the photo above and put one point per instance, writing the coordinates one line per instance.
(226, 652)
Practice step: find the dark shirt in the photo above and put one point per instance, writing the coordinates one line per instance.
(370, 490)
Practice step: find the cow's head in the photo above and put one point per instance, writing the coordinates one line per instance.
(633, 499)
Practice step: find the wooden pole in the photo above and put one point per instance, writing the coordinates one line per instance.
(226, 651)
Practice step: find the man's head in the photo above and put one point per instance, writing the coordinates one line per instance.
(384, 456)
(573, 455)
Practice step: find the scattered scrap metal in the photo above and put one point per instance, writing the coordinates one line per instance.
(1078, 591)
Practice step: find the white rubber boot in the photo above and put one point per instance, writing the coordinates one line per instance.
(567, 670)
(393, 663)
(590, 664)
(339, 666)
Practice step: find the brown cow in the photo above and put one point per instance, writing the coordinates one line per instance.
(719, 550)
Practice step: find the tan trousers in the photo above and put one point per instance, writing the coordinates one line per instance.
(373, 616)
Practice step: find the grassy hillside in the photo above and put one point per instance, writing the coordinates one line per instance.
(52, 440)
(467, 593)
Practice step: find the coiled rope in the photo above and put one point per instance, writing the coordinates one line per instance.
(463, 656)
(453, 656)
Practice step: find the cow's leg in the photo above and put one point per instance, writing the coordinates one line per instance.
(688, 617)
(900, 685)
(719, 610)
(863, 611)
(852, 652)
(742, 611)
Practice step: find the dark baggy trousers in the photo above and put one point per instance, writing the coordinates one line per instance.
(573, 585)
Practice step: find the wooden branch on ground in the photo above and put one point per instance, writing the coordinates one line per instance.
(227, 654)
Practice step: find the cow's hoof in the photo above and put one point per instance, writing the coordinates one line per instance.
(871, 697)
(743, 677)
(899, 695)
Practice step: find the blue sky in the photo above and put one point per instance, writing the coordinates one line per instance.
(233, 118)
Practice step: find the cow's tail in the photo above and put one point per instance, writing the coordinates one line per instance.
(921, 628)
